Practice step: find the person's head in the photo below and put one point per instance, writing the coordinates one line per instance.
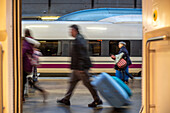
(122, 44)
(27, 33)
(74, 30)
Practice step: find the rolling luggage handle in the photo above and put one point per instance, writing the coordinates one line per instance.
(93, 75)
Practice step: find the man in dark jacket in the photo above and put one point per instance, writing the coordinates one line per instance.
(127, 58)
(80, 64)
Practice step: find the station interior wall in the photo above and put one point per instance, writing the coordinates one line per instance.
(62, 7)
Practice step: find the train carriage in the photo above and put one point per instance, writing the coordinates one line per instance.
(102, 36)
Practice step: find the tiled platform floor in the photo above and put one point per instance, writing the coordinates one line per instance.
(79, 101)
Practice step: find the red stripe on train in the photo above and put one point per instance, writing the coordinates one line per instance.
(94, 66)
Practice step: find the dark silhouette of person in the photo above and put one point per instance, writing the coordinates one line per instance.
(80, 64)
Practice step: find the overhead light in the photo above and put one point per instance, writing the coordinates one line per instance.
(37, 26)
(50, 17)
(96, 28)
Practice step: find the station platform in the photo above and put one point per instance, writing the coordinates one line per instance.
(56, 89)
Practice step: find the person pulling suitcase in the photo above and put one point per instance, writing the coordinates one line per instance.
(80, 64)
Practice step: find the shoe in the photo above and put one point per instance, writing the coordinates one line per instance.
(64, 101)
(44, 94)
(95, 103)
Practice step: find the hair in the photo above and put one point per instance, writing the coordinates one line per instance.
(74, 26)
(27, 33)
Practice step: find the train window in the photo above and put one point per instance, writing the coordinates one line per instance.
(136, 48)
(94, 47)
(51, 48)
(113, 46)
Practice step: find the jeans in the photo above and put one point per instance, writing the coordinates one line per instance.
(119, 74)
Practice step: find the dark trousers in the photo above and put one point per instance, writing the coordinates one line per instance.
(24, 82)
(75, 78)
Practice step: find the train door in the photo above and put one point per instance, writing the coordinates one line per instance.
(156, 62)
(10, 68)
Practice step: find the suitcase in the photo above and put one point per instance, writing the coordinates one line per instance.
(111, 91)
(123, 85)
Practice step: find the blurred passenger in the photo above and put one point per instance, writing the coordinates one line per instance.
(119, 72)
(80, 64)
(27, 52)
(29, 61)
(35, 62)
(34, 79)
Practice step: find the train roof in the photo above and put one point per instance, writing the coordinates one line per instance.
(99, 14)
(123, 19)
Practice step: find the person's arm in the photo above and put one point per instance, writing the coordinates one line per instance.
(125, 53)
(113, 57)
(32, 41)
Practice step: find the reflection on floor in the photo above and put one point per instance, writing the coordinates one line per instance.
(79, 101)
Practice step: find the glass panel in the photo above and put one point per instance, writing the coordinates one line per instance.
(94, 48)
(136, 48)
(113, 46)
(51, 48)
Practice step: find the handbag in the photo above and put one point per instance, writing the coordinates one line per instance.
(122, 63)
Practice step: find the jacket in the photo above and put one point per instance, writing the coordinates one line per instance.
(27, 52)
(126, 55)
(80, 59)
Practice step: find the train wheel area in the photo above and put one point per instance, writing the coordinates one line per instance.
(56, 88)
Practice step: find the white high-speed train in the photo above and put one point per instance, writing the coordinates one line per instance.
(102, 36)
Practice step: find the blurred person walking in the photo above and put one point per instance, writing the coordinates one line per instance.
(80, 64)
(27, 52)
(28, 59)
(35, 62)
